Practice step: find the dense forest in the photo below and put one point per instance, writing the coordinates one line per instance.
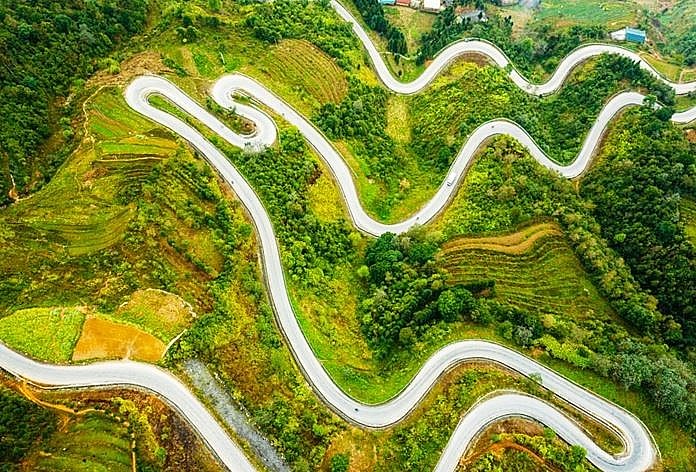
(407, 291)
(46, 49)
(646, 167)
(373, 14)
(303, 19)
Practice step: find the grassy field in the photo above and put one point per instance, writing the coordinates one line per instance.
(159, 313)
(534, 269)
(47, 334)
(88, 443)
(609, 13)
(413, 23)
(688, 216)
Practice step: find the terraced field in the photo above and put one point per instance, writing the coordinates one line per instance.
(533, 268)
(298, 65)
(92, 442)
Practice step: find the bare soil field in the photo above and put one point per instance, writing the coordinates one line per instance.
(106, 339)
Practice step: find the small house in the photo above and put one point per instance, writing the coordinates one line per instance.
(387, 2)
(629, 34)
(472, 16)
(432, 5)
(635, 35)
(403, 3)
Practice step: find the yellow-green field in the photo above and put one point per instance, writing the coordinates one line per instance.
(534, 269)
(47, 334)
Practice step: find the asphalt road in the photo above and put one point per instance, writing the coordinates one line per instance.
(468, 46)
(639, 452)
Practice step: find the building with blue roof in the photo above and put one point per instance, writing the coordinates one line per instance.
(635, 35)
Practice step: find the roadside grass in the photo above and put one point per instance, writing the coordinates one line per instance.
(687, 209)
(684, 102)
(47, 334)
(92, 442)
(324, 201)
(537, 271)
(668, 70)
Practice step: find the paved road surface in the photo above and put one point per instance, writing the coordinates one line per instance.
(468, 46)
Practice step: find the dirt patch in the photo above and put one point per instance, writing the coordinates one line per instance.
(691, 135)
(148, 62)
(485, 444)
(106, 339)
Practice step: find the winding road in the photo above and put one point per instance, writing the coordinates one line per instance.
(639, 449)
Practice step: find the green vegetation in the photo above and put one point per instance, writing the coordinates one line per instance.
(48, 49)
(373, 14)
(407, 291)
(161, 314)
(545, 275)
(679, 31)
(635, 190)
(22, 424)
(688, 217)
(531, 452)
(608, 14)
(535, 56)
(307, 20)
(91, 442)
(396, 175)
(47, 334)
(134, 208)
(303, 69)
(557, 123)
